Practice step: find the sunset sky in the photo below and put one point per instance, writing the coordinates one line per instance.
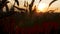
(53, 6)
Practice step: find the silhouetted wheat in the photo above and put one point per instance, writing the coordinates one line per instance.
(19, 8)
(4, 3)
(17, 2)
(52, 2)
(31, 5)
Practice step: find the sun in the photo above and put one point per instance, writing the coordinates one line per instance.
(42, 7)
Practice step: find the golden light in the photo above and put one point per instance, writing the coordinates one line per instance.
(42, 7)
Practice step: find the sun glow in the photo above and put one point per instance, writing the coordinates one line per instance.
(42, 7)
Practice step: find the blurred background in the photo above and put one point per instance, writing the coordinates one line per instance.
(29, 16)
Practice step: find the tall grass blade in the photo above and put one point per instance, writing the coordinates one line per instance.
(52, 2)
